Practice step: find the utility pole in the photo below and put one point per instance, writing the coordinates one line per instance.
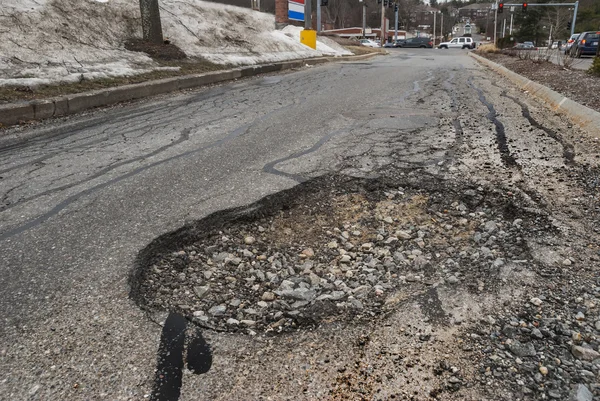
(504, 28)
(364, 26)
(434, 19)
(511, 24)
(151, 26)
(318, 15)
(307, 14)
(381, 42)
(396, 22)
(442, 29)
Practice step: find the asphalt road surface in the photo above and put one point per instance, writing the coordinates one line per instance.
(81, 196)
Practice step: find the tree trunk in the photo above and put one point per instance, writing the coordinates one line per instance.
(151, 26)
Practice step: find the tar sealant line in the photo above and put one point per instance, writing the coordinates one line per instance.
(184, 136)
(568, 150)
(45, 136)
(60, 149)
(503, 148)
(270, 167)
(69, 200)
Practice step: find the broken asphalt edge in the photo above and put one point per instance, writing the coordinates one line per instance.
(15, 113)
(580, 115)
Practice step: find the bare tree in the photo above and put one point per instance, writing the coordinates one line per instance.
(343, 13)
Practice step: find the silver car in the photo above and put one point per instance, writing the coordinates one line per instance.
(571, 42)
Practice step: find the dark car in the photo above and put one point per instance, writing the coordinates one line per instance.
(416, 42)
(392, 44)
(586, 44)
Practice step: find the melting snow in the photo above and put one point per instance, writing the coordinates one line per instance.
(46, 41)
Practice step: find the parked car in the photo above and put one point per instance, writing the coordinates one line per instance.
(524, 46)
(369, 43)
(392, 44)
(586, 44)
(570, 42)
(458, 43)
(555, 45)
(416, 43)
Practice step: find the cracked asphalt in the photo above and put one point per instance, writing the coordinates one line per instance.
(80, 197)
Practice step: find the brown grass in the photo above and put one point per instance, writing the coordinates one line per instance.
(13, 93)
(488, 48)
(365, 50)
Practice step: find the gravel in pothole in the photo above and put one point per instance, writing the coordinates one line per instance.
(338, 254)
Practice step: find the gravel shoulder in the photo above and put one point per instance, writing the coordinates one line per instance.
(578, 85)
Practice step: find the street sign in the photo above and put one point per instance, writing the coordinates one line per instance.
(296, 10)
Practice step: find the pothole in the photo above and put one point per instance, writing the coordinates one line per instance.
(332, 249)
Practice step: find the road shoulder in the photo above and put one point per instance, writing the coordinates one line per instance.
(583, 116)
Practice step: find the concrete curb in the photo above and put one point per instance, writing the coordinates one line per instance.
(582, 116)
(15, 113)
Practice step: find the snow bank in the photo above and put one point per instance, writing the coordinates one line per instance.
(325, 45)
(49, 41)
(44, 41)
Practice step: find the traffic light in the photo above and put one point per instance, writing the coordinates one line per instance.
(395, 8)
(390, 4)
(500, 8)
(385, 3)
(569, 25)
(524, 6)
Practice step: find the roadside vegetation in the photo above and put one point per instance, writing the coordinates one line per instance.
(175, 69)
(595, 68)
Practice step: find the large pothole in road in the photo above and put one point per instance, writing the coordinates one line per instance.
(332, 248)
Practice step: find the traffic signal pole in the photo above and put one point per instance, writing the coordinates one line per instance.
(496, 25)
(574, 18)
(525, 5)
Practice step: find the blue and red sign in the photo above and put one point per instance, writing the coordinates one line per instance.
(296, 10)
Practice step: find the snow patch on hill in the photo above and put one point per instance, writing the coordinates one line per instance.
(325, 45)
(49, 41)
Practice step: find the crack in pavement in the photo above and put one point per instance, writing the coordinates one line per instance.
(505, 155)
(270, 167)
(568, 149)
(184, 136)
(69, 200)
